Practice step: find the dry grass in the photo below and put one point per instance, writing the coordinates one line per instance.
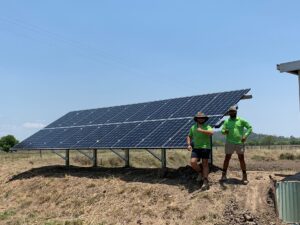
(32, 192)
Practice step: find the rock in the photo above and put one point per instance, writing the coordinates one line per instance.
(248, 217)
(259, 178)
(251, 223)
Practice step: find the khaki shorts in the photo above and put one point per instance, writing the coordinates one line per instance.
(231, 148)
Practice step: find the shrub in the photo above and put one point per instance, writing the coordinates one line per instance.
(287, 156)
(7, 142)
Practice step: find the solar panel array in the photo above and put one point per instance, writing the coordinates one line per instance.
(158, 124)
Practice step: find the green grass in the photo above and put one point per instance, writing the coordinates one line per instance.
(7, 214)
(73, 222)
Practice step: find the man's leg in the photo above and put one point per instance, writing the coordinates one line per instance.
(242, 162)
(195, 166)
(225, 166)
(243, 167)
(205, 157)
(229, 150)
(205, 168)
(226, 162)
(205, 175)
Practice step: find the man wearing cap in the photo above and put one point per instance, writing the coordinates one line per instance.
(237, 131)
(200, 134)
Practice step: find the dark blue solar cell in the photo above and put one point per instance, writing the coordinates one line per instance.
(149, 109)
(170, 108)
(111, 113)
(63, 119)
(28, 142)
(163, 133)
(194, 105)
(126, 113)
(42, 142)
(221, 104)
(116, 135)
(213, 121)
(95, 136)
(179, 139)
(93, 116)
(77, 136)
(133, 138)
(75, 119)
(67, 133)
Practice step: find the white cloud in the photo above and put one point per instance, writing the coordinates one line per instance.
(33, 125)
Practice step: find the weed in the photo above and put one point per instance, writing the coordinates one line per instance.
(7, 214)
(288, 156)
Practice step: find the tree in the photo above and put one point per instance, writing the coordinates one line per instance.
(294, 141)
(7, 142)
(268, 140)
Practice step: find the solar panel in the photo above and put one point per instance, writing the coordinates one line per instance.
(163, 133)
(158, 124)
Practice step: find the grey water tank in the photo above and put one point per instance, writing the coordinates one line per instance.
(288, 199)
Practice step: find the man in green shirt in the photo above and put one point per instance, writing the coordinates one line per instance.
(237, 131)
(200, 134)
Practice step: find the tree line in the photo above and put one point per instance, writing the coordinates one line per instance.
(260, 139)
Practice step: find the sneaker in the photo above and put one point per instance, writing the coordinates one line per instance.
(205, 185)
(199, 178)
(245, 178)
(224, 177)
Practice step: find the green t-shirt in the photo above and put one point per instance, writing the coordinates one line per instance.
(200, 140)
(237, 129)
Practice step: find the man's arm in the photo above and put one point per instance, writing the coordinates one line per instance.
(208, 132)
(188, 142)
(224, 128)
(248, 131)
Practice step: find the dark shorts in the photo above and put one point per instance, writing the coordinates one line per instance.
(202, 153)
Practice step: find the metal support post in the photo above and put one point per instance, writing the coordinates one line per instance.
(95, 158)
(163, 158)
(67, 158)
(127, 158)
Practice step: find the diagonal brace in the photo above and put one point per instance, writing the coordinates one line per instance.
(86, 154)
(60, 155)
(152, 153)
(118, 154)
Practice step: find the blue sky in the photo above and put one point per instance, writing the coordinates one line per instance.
(58, 56)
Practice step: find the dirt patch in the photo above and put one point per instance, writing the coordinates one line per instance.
(32, 192)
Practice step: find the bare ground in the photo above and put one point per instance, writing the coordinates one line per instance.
(35, 191)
